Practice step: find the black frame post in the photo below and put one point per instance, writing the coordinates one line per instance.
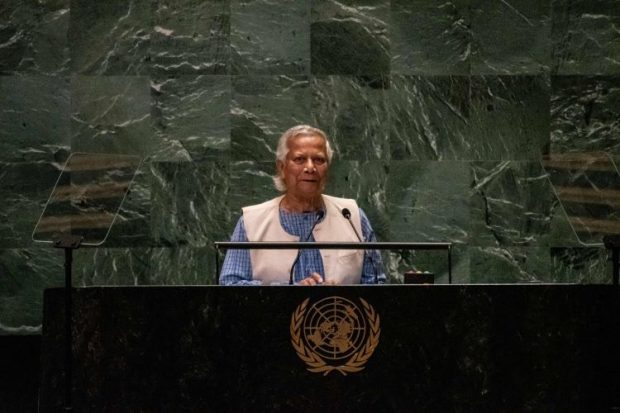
(612, 242)
(69, 243)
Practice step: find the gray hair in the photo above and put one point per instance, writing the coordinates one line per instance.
(282, 149)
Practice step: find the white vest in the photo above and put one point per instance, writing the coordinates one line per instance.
(262, 223)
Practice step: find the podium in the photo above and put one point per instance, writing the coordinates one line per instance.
(423, 348)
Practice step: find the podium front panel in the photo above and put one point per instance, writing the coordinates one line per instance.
(341, 349)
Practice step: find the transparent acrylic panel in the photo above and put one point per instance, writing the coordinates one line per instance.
(87, 197)
(588, 188)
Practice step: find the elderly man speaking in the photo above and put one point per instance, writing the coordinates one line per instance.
(302, 213)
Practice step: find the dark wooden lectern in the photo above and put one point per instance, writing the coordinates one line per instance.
(432, 349)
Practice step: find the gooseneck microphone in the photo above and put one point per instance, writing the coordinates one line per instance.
(319, 216)
(347, 214)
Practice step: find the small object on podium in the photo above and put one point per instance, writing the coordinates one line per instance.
(419, 277)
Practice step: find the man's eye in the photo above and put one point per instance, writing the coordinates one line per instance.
(319, 161)
(299, 160)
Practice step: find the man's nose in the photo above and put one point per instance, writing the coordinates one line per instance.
(310, 165)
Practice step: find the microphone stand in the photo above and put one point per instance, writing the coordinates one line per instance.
(319, 216)
(347, 215)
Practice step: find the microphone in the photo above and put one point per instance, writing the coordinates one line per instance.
(347, 214)
(319, 216)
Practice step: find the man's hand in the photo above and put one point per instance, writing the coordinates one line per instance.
(313, 279)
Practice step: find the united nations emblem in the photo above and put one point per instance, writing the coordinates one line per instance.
(335, 334)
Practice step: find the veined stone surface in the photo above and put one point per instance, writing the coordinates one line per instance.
(443, 115)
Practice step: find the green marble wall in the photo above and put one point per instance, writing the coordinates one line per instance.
(440, 114)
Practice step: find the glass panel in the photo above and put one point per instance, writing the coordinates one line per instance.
(588, 188)
(86, 198)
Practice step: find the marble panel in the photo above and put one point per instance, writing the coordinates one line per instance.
(366, 183)
(33, 37)
(529, 264)
(191, 115)
(112, 115)
(510, 37)
(270, 38)
(561, 232)
(24, 190)
(180, 265)
(189, 203)
(429, 117)
(469, 118)
(511, 204)
(585, 265)
(585, 114)
(112, 266)
(190, 37)
(353, 111)
(430, 38)
(133, 225)
(350, 37)
(110, 37)
(250, 183)
(509, 118)
(183, 266)
(34, 118)
(262, 108)
(25, 273)
(427, 202)
(585, 37)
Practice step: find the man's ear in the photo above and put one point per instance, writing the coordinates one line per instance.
(280, 168)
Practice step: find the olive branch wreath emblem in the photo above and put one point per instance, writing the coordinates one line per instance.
(316, 364)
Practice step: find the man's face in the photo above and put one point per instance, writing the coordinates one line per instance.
(305, 168)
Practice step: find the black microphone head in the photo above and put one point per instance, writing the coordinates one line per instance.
(346, 213)
(320, 214)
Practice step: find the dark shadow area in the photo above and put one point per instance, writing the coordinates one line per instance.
(19, 377)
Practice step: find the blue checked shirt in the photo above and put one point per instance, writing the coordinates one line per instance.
(237, 268)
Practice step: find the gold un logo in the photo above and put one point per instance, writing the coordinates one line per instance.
(335, 334)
